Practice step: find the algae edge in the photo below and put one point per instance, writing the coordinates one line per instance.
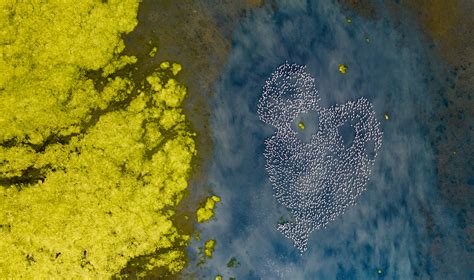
(91, 169)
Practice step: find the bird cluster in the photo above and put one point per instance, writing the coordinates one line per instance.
(316, 180)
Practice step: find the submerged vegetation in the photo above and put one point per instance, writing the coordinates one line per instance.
(233, 263)
(91, 166)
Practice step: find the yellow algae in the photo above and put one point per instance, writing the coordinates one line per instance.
(165, 65)
(117, 64)
(206, 251)
(348, 20)
(153, 52)
(204, 215)
(154, 81)
(218, 277)
(206, 212)
(172, 260)
(209, 248)
(386, 116)
(301, 125)
(176, 68)
(89, 175)
(48, 45)
(343, 68)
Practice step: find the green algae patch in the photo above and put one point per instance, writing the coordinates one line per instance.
(89, 176)
(44, 50)
(342, 69)
(301, 125)
(153, 51)
(206, 212)
(209, 247)
(118, 64)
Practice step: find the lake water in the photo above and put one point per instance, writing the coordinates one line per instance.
(387, 234)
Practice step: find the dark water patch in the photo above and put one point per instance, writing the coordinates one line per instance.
(347, 133)
(370, 149)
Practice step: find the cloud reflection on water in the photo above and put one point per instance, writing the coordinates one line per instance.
(385, 235)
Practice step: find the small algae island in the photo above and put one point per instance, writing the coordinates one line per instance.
(206, 212)
(93, 163)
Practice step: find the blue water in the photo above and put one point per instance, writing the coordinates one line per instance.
(386, 235)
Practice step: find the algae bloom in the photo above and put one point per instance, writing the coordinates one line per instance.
(91, 170)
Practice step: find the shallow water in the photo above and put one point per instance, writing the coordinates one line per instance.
(386, 235)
